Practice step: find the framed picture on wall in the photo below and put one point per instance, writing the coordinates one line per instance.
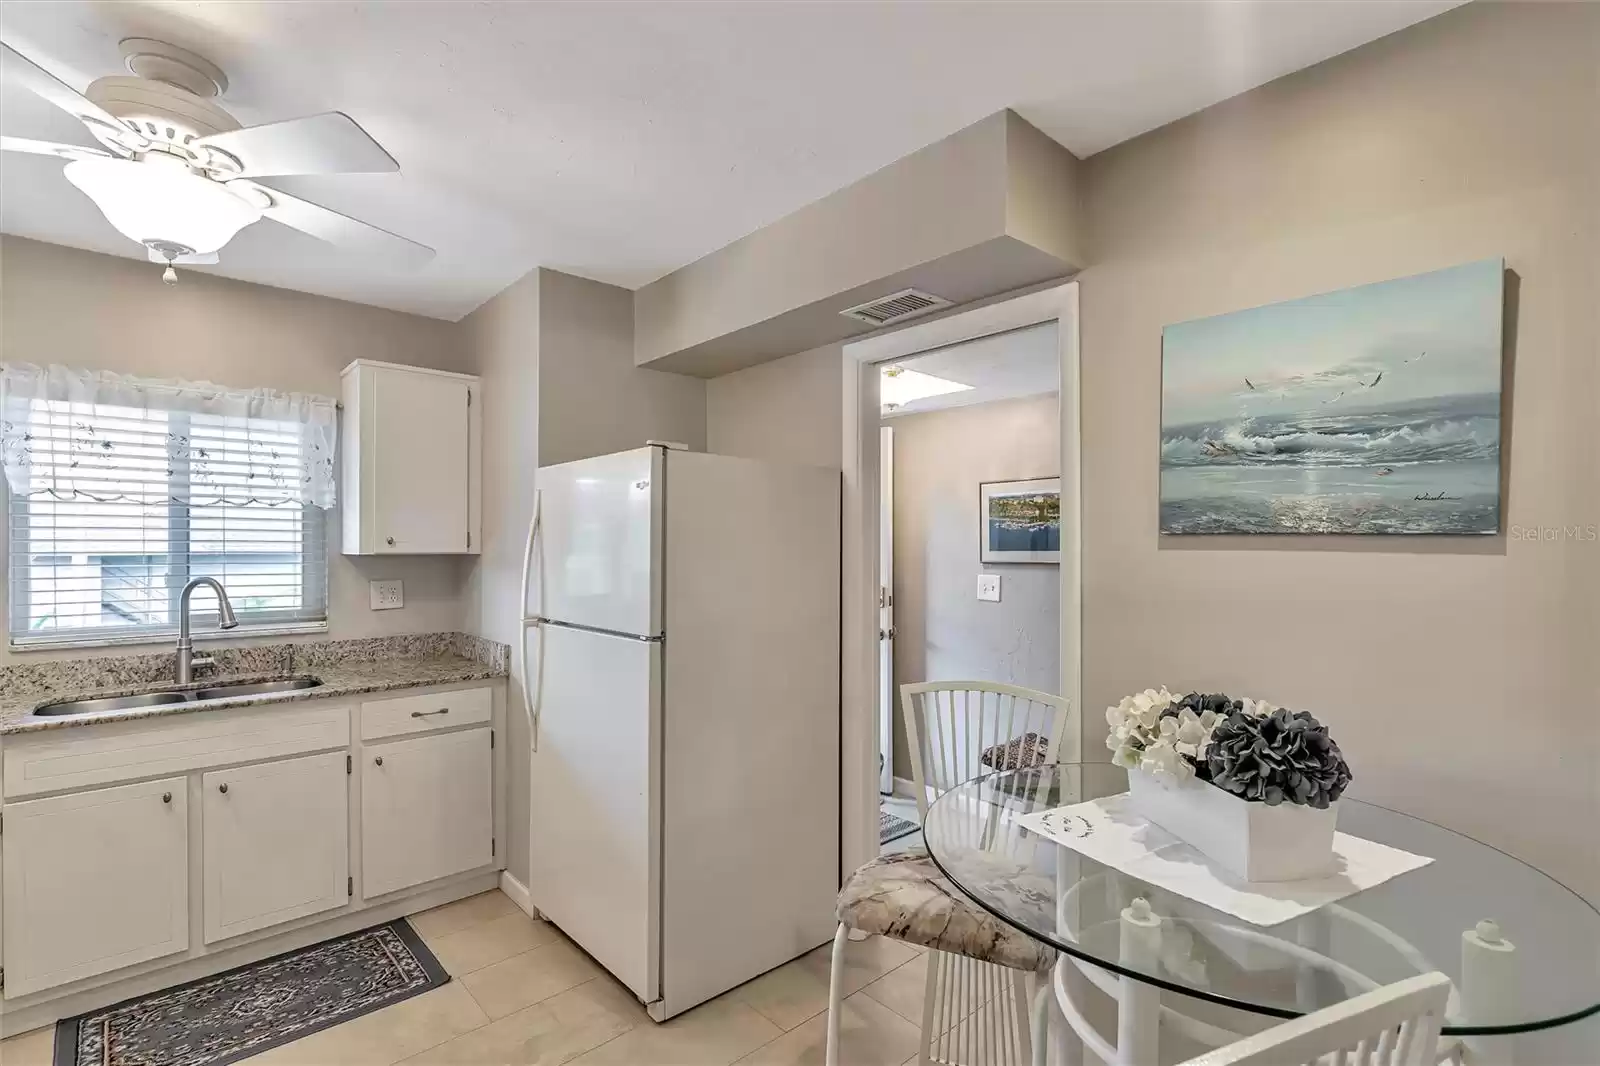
(1020, 521)
(1371, 410)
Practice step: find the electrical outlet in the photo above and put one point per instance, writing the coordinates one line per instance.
(989, 587)
(387, 595)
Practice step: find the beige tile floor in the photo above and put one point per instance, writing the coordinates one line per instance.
(524, 995)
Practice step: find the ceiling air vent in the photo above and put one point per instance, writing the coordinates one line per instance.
(907, 303)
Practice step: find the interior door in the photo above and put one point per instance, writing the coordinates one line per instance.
(886, 633)
(93, 882)
(427, 809)
(277, 843)
(594, 808)
(421, 438)
(597, 560)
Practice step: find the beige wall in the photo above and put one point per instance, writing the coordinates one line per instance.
(943, 631)
(556, 356)
(61, 305)
(790, 410)
(593, 399)
(1457, 674)
(502, 338)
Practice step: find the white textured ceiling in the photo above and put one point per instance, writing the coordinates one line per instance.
(622, 140)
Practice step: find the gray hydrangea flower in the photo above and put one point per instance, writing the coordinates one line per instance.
(1286, 755)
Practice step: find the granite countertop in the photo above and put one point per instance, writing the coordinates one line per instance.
(346, 668)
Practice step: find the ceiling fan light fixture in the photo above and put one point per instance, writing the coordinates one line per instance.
(154, 202)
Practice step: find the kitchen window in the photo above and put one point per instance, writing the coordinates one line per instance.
(122, 490)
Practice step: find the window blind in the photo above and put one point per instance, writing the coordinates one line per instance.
(124, 505)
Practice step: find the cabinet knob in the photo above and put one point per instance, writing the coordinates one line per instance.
(389, 541)
(223, 788)
(378, 760)
(166, 797)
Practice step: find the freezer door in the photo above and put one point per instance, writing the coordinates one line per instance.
(596, 559)
(594, 808)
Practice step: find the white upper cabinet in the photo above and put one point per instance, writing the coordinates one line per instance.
(411, 460)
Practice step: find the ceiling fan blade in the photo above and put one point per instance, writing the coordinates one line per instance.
(337, 229)
(330, 143)
(65, 151)
(25, 72)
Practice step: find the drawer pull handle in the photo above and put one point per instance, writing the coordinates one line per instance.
(166, 797)
(378, 761)
(223, 788)
(424, 714)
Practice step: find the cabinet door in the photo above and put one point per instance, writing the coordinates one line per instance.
(277, 843)
(427, 810)
(94, 881)
(420, 462)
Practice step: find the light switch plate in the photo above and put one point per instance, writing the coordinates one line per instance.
(387, 595)
(989, 587)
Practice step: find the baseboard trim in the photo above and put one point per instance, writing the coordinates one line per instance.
(518, 893)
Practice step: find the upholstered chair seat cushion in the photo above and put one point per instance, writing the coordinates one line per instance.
(1020, 753)
(905, 897)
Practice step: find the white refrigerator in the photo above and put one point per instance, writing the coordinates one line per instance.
(680, 662)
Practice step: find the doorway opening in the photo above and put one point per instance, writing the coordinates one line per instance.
(878, 603)
(969, 538)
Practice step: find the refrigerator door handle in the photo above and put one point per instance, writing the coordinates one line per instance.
(530, 685)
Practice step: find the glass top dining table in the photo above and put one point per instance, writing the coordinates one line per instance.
(1411, 924)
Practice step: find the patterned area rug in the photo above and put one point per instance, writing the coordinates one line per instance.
(893, 827)
(228, 1017)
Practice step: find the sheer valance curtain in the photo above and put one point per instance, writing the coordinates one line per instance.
(63, 425)
(124, 489)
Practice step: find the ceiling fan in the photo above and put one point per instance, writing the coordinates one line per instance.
(176, 173)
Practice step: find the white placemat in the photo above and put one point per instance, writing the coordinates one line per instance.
(1109, 831)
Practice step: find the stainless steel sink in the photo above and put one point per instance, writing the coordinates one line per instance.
(114, 703)
(110, 704)
(256, 688)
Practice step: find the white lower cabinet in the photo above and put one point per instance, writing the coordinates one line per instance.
(277, 844)
(427, 809)
(94, 881)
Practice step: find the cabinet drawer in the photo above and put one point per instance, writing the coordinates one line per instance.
(420, 714)
(60, 759)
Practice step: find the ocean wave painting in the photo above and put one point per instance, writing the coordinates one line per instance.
(1370, 410)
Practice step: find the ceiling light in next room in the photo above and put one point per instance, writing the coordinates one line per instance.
(900, 386)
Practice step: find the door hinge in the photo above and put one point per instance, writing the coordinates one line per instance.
(2, 977)
(469, 538)
(349, 764)
(350, 886)
(491, 847)
(491, 740)
(469, 397)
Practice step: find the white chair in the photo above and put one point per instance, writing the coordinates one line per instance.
(1397, 1025)
(975, 1009)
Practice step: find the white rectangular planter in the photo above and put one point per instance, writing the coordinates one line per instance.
(1257, 842)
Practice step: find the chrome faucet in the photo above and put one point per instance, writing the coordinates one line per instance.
(225, 620)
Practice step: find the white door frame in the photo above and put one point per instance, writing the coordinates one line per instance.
(886, 627)
(859, 604)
